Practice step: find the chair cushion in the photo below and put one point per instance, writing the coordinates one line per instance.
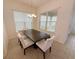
(45, 44)
(26, 42)
(21, 35)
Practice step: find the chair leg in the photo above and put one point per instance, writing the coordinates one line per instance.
(50, 49)
(43, 55)
(18, 40)
(24, 51)
(21, 45)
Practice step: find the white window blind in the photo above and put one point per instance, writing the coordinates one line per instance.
(48, 23)
(42, 22)
(22, 20)
(51, 23)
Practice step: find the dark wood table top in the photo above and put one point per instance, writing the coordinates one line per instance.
(36, 35)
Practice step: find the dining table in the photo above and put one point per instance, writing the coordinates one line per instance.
(36, 35)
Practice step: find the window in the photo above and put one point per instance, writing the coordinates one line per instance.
(22, 21)
(43, 22)
(48, 22)
(51, 22)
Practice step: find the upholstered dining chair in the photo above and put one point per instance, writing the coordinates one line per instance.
(24, 41)
(44, 45)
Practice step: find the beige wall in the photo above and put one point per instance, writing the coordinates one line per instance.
(72, 23)
(9, 7)
(64, 12)
(5, 41)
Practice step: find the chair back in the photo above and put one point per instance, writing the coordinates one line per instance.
(21, 36)
(49, 42)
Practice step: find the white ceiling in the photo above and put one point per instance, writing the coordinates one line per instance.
(34, 3)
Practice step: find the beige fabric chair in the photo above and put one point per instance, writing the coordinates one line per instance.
(24, 41)
(44, 45)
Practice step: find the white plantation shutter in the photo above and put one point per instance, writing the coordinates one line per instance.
(22, 21)
(48, 23)
(51, 23)
(42, 22)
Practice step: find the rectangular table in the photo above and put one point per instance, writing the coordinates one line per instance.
(36, 35)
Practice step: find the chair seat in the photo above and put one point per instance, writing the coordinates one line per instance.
(43, 45)
(26, 42)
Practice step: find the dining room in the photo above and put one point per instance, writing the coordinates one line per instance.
(39, 29)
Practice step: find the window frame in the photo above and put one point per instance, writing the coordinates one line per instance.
(46, 29)
(40, 23)
(20, 21)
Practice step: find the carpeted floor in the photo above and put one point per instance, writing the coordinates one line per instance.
(59, 51)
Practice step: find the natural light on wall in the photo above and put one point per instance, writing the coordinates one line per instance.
(22, 20)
